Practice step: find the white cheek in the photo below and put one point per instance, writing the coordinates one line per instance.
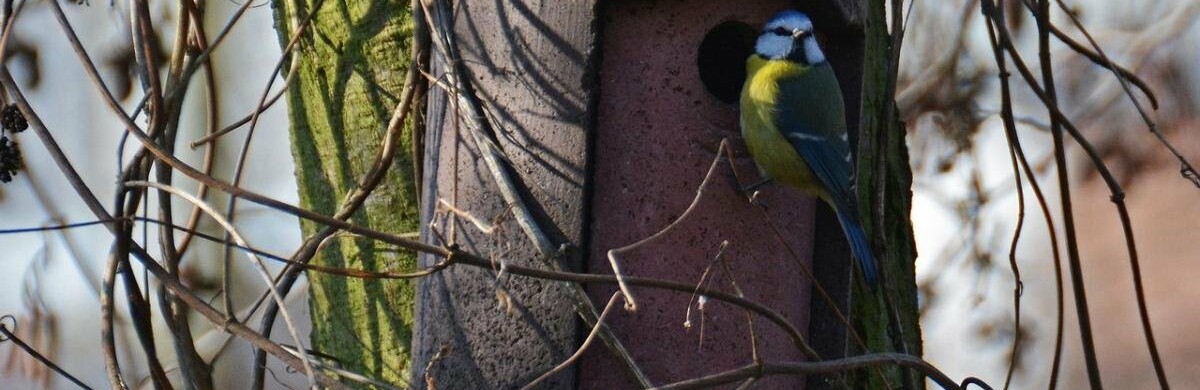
(812, 51)
(773, 46)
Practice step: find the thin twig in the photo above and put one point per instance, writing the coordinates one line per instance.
(583, 347)
(204, 54)
(1010, 133)
(213, 109)
(347, 374)
(139, 308)
(93, 204)
(614, 254)
(1099, 58)
(748, 383)
(1081, 306)
(754, 352)
(1013, 144)
(702, 285)
(9, 336)
(211, 137)
(775, 317)
(244, 152)
(1138, 288)
(1117, 194)
(195, 372)
(195, 174)
(483, 226)
(339, 271)
(231, 231)
(823, 367)
(1016, 150)
(120, 265)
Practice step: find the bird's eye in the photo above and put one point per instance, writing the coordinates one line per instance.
(781, 31)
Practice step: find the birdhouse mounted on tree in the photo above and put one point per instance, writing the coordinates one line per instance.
(607, 118)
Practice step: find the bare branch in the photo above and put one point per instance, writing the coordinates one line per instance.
(822, 367)
(9, 336)
(578, 352)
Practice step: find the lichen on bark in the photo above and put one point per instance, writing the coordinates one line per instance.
(352, 66)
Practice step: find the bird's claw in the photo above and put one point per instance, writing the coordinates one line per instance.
(751, 189)
(755, 200)
(751, 192)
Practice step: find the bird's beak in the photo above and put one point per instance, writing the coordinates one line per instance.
(800, 34)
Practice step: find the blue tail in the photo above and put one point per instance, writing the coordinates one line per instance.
(860, 246)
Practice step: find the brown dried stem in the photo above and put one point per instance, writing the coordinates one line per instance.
(1017, 154)
(583, 347)
(822, 367)
(1117, 195)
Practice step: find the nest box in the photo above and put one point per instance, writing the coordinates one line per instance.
(610, 116)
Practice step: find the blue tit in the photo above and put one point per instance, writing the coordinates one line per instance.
(794, 124)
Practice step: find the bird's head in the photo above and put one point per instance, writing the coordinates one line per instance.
(789, 35)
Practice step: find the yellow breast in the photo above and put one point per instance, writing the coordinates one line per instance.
(775, 156)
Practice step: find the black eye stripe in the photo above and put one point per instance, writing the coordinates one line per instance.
(783, 31)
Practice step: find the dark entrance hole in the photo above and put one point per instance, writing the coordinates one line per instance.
(722, 59)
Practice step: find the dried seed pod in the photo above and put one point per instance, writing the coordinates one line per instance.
(10, 159)
(12, 119)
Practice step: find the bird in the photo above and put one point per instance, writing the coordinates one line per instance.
(793, 122)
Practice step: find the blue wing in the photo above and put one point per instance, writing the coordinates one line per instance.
(811, 117)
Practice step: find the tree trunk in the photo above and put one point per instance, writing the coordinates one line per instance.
(887, 316)
(352, 65)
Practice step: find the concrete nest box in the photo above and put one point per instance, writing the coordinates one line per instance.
(609, 117)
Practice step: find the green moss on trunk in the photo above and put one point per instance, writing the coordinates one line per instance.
(352, 66)
(884, 184)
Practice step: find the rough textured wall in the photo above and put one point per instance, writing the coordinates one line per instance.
(658, 129)
(531, 63)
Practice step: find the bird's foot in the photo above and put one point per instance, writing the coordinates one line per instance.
(750, 190)
(755, 201)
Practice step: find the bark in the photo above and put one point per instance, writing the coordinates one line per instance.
(886, 316)
(353, 62)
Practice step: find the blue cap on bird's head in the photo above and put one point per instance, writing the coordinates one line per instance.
(789, 35)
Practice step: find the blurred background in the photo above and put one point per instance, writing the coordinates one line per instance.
(964, 206)
(50, 282)
(965, 200)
